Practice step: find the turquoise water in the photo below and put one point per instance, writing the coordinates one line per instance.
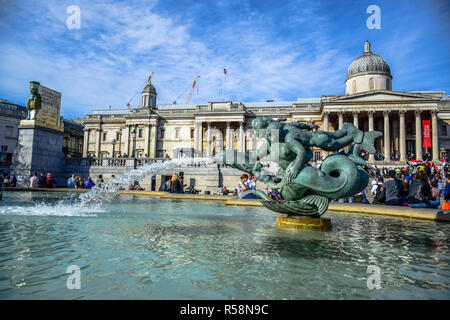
(139, 247)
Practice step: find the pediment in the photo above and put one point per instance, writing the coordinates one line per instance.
(383, 96)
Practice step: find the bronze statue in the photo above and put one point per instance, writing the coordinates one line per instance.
(34, 102)
(306, 190)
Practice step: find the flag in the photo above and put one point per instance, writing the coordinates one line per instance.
(417, 162)
(225, 71)
(435, 168)
(426, 133)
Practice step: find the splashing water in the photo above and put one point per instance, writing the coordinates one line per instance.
(110, 189)
(243, 194)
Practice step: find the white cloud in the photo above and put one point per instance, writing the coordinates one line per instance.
(121, 43)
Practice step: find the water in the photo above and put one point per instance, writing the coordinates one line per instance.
(109, 190)
(138, 247)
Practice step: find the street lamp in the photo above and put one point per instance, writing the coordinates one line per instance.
(133, 134)
(120, 140)
(114, 147)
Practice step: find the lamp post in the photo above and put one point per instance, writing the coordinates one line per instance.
(120, 140)
(114, 148)
(133, 134)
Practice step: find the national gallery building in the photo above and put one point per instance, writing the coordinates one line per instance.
(414, 124)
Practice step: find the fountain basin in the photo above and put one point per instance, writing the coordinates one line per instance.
(140, 247)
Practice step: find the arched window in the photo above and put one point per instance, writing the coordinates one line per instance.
(371, 84)
(388, 84)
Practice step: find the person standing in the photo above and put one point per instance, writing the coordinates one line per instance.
(6, 181)
(175, 185)
(71, 182)
(41, 183)
(34, 181)
(393, 188)
(181, 179)
(80, 183)
(100, 180)
(50, 182)
(89, 183)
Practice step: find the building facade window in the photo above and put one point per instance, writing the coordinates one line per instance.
(162, 133)
(371, 84)
(177, 133)
(388, 84)
(354, 86)
(105, 135)
(444, 130)
(409, 128)
(192, 133)
(140, 133)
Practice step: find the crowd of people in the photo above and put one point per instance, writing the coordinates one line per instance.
(76, 182)
(42, 181)
(421, 186)
(175, 185)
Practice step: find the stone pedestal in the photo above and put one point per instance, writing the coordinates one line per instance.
(39, 150)
(304, 223)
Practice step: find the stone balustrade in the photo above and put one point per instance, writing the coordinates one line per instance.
(130, 163)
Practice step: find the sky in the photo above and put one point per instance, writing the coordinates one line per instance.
(277, 50)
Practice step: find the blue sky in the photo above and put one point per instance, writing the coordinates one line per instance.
(279, 50)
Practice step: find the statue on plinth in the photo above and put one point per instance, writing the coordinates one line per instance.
(306, 190)
(34, 102)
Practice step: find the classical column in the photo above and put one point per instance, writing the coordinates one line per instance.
(402, 135)
(99, 142)
(147, 141)
(86, 142)
(326, 125)
(127, 140)
(395, 131)
(341, 119)
(387, 137)
(434, 136)
(241, 136)
(153, 140)
(195, 136)
(418, 155)
(228, 136)
(208, 140)
(370, 114)
(355, 118)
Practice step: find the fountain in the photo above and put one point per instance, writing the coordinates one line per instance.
(98, 193)
(306, 191)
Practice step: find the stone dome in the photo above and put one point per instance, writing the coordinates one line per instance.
(368, 63)
(149, 88)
